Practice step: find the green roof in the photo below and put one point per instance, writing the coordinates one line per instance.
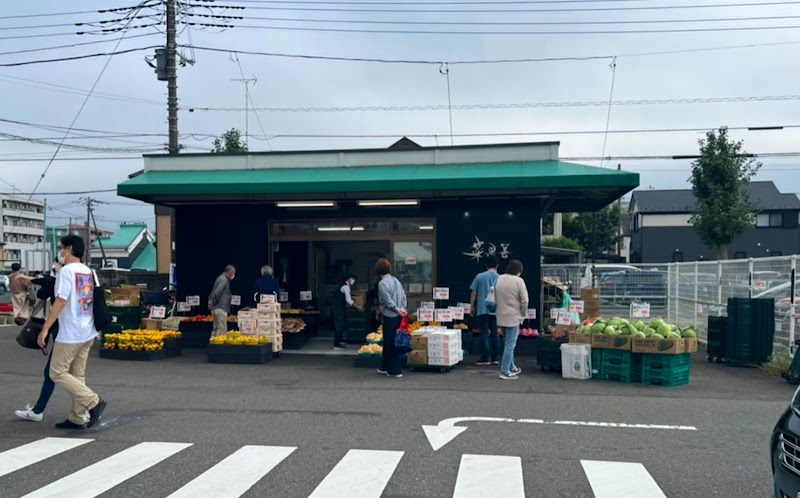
(123, 237)
(573, 186)
(146, 260)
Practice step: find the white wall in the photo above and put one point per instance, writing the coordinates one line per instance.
(665, 220)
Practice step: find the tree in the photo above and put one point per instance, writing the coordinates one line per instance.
(723, 210)
(578, 227)
(562, 243)
(229, 142)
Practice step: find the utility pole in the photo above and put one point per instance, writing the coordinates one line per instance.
(620, 232)
(247, 82)
(88, 240)
(172, 77)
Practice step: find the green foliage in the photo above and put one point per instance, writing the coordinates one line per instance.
(562, 243)
(230, 142)
(719, 180)
(778, 363)
(578, 227)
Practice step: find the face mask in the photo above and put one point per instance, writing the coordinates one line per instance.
(62, 259)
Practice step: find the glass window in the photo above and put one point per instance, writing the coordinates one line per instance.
(762, 220)
(413, 266)
(776, 220)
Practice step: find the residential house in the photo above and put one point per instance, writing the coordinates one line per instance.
(131, 247)
(661, 231)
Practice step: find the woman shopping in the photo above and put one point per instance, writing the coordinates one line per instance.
(511, 296)
(393, 308)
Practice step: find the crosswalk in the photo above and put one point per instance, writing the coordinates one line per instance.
(358, 474)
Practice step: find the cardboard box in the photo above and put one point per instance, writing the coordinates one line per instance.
(444, 353)
(247, 315)
(268, 308)
(588, 294)
(151, 324)
(622, 342)
(566, 329)
(576, 338)
(417, 357)
(359, 299)
(445, 336)
(690, 345)
(442, 362)
(419, 343)
(172, 323)
(659, 346)
(129, 293)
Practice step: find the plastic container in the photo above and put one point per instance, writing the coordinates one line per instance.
(717, 331)
(576, 361)
(621, 365)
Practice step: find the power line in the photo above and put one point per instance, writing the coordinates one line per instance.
(115, 10)
(82, 192)
(521, 105)
(530, 2)
(78, 57)
(73, 45)
(74, 90)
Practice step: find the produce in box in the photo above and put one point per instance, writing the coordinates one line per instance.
(656, 328)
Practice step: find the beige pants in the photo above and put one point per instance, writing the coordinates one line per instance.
(68, 371)
(19, 301)
(220, 322)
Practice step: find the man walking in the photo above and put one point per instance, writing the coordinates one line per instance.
(487, 321)
(340, 300)
(266, 284)
(19, 289)
(74, 310)
(219, 302)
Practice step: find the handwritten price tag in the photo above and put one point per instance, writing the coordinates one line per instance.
(193, 300)
(531, 314)
(236, 300)
(564, 318)
(458, 313)
(184, 307)
(576, 306)
(284, 297)
(426, 305)
(444, 316)
(425, 315)
(158, 312)
(305, 295)
(640, 310)
(441, 293)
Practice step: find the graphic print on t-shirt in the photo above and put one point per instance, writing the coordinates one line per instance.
(84, 285)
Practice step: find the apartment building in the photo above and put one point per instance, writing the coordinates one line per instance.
(23, 233)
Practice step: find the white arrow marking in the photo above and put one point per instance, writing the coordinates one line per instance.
(447, 430)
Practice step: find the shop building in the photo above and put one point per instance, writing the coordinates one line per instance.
(436, 212)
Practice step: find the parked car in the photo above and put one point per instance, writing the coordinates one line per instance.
(785, 451)
(590, 272)
(4, 284)
(6, 308)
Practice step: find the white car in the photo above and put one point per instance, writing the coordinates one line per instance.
(591, 272)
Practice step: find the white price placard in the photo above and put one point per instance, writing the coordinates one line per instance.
(184, 307)
(564, 318)
(411, 261)
(531, 314)
(576, 306)
(444, 315)
(284, 297)
(555, 311)
(306, 295)
(236, 300)
(427, 305)
(640, 310)
(458, 313)
(441, 293)
(425, 315)
(158, 312)
(267, 298)
(193, 300)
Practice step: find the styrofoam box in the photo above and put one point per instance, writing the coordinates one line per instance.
(445, 336)
(247, 315)
(269, 307)
(444, 346)
(442, 362)
(443, 353)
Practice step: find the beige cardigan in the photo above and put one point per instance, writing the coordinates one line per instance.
(512, 301)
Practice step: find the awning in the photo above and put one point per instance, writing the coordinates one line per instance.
(572, 187)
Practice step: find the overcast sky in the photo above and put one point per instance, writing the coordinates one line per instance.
(29, 94)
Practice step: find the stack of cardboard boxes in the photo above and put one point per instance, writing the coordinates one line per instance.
(436, 347)
(591, 303)
(265, 320)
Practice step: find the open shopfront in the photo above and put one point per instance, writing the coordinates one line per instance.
(317, 216)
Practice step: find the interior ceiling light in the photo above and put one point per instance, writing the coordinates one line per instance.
(407, 202)
(426, 227)
(358, 229)
(333, 229)
(306, 204)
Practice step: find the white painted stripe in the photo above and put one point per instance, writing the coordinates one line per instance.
(28, 454)
(620, 480)
(360, 474)
(237, 473)
(105, 474)
(489, 476)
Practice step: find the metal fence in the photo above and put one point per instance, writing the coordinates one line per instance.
(686, 293)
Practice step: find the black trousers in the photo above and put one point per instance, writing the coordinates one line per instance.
(390, 361)
(340, 325)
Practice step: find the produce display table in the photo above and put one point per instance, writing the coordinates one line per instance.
(296, 340)
(311, 319)
(548, 352)
(197, 334)
(172, 347)
(247, 355)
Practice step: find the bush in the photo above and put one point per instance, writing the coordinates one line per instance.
(778, 363)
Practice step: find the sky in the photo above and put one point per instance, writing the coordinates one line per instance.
(126, 113)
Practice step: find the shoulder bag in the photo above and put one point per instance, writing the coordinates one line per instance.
(102, 318)
(28, 337)
(491, 298)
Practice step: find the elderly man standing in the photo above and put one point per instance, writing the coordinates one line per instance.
(19, 295)
(266, 284)
(219, 301)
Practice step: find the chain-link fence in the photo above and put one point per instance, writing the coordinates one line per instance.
(685, 293)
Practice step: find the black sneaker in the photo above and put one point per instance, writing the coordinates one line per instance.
(339, 346)
(69, 424)
(95, 413)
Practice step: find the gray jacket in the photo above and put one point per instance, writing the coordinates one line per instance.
(392, 296)
(221, 294)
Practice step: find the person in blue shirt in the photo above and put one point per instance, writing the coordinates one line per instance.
(266, 284)
(486, 320)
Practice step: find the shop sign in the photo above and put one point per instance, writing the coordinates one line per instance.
(441, 293)
(640, 310)
(184, 307)
(576, 306)
(305, 295)
(158, 312)
(444, 315)
(193, 300)
(267, 298)
(531, 314)
(480, 249)
(427, 305)
(411, 261)
(425, 315)
(284, 297)
(458, 313)
(236, 300)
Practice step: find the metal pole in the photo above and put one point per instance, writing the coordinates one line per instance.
(88, 241)
(793, 307)
(696, 268)
(172, 78)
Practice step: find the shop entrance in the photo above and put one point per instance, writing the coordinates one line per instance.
(316, 256)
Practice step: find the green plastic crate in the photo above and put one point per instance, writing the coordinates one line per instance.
(666, 361)
(667, 377)
(750, 330)
(621, 365)
(597, 361)
(717, 331)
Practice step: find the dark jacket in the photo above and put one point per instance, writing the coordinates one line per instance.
(265, 285)
(47, 290)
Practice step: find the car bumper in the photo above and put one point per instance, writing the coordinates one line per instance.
(786, 455)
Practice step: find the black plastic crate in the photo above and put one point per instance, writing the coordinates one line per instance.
(717, 332)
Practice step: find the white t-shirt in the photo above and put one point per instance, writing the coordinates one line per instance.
(75, 284)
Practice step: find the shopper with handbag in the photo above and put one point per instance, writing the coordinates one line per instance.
(393, 308)
(511, 296)
(20, 294)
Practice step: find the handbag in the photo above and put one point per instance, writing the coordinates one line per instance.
(491, 300)
(402, 338)
(102, 318)
(28, 337)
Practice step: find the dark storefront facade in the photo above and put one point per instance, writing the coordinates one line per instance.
(435, 212)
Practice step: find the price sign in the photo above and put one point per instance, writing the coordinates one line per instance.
(441, 293)
(184, 307)
(193, 300)
(158, 312)
(444, 315)
(425, 315)
(411, 261)
(236, 300)
(284, 297)
(426, 305)
(555, 311)
(305, 295)
(267, 298)
(458, 313)
(640, 310)
(531, 314)
(564, 318)
(576, 306)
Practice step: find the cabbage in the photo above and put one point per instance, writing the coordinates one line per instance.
(610, 331)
